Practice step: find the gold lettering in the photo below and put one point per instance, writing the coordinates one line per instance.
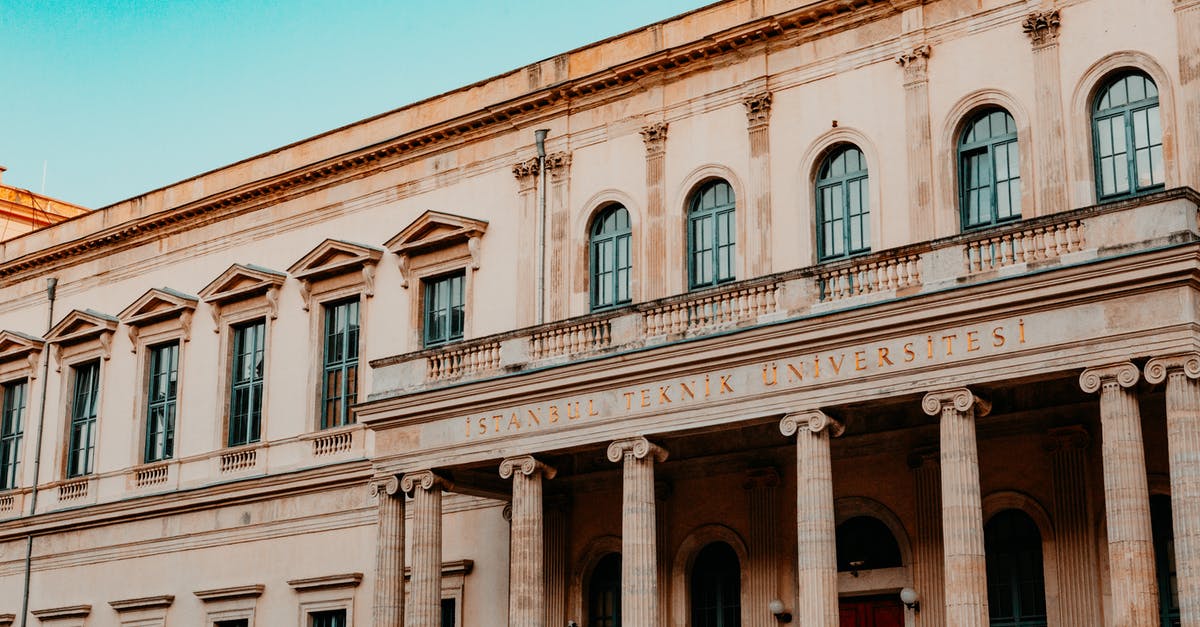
(725, 383)
(1021, 327)
(817, 367)
(645, 398)
(859, 364)
(572, 410)
(883, 356)
(591, 409)
(533, 417)
(628, 401)
(707, 391)
(929, 346)
(796, 372)
(972, 341)
(774, 378)
(686, 389)
(553, 413)
(998, 337)
(468, 426)
(662, 396)
(949, 339)
(837, 365)
(513, 422)
(482, 425)
(909, 354)
(496, 422)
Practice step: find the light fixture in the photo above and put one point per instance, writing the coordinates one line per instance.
(908, 597)
(776, 608)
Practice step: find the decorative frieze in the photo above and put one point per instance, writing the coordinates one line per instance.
(1042, 27)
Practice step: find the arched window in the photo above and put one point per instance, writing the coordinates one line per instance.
(716, 587)
(610, 258)
(1016, 587)
(1164, 560)
(843, 204)
(604, 593)
(864, 543)
(989, 170)
(1128, 137)
(712, 235)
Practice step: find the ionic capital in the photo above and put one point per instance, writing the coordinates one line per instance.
(385, 486)
(638, 447)
(655, 136)
(1125, 375)
(813, 420)
(1042, 27)
(961, 400)
(757, 478)
(526, 465)
(424, 479)
(758, 109)
(915, 63)
(1158, 368)
(1074, 437)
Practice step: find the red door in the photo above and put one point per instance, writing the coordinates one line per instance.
(871, 612)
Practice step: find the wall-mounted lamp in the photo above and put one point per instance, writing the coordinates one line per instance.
(908, 597)
(776, 608)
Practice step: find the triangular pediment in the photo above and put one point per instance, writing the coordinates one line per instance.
(333, 257)
(81, 325)
(433, 230)
(157, 304)
(241, 281)
(14, 345)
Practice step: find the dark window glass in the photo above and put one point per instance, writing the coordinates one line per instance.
(339, 387)
(716, 587)
(448, 611)
(444, 316)
(81, 447)
(328, 618)
(1127, 137)
(712, 235)
(162, 387)
(1164, 560)
(11, 429)
(611, 264)
(843, 204)
(1016, 588)
(864, 543)
(989, 170)
(246, 383)
(237, 622)
(604, 593)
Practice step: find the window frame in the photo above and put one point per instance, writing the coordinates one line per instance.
(988, 149)
(1019, 617)
(70, 469)
(616, 238)
(171, 401)
(11, 439)
(697, 214)
(1126, 113)
(429, 285)
(347, 397)
(234, 383)
(861, 177)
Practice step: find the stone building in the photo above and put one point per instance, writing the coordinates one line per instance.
(793, 306)
(22, 211)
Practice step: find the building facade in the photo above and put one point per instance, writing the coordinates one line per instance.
(837, 312)
(23, 211)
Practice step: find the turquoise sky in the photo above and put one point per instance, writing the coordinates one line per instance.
(118, 98)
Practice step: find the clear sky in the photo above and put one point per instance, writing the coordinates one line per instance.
(117, 98)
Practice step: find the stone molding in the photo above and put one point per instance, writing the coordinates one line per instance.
(426, 480)
(326, 582)
(143, 603)
(915, 63)
(449, 569)
(1042, 27)
(813, 420)
(638, 447)
(80, 326)
(14, 345)
(526, 465)
(1124, 375)
(1157, 369)
(961, 399)
(655, 137)
(6, 620)
(332, 258)
(389, 486)
(758, 109)
(159, 305)
(232, 592)
(433, 232)
(58, 613)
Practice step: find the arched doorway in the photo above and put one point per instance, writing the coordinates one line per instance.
(1016, 583)
(716, 590)
(604, 593)
(865, 543)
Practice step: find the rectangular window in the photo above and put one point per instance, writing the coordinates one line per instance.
(328, 618)
(81, 449)
(448, 611)
(246, 383)
(444, 315)
(339, 387)
(11, 428)
(162, 388)
(237, 622)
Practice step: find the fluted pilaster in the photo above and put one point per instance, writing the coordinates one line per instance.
(558, 238)
(762, 494)
(655, 242)
(1075, 548)
(816, 544)
(557, 527)
(1042, 28)
(639, 568)
(425, 594)
(758, 117)
(526, 173)
(1187, 22)
(928, 565)
(526, 589)
(389, 554)
(964, 564)
(1183, 446)
(918, 140)
(1126, 496)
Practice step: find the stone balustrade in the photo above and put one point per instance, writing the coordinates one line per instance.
(460, 360)
(883, 272)
(585, 337)
(1024, 244)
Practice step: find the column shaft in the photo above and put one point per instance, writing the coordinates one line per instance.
(526, 589)
(389, 555)
(1075, 548)
(1183, 445)
(425, 593)
(918, 140)
(815, 526)
(556, 564)
(928, 574)
(656, 240)
(762, 571)
(639, 559)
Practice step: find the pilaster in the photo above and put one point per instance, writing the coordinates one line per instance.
(964, 564)
(639, 568)
(1042, 28)
(815, 522)
(758, 222)
(1183, 447)
(425, 593)
(928, 567)
(557, 527)
(526, 173)
(1075, 547)
(558, 174)
(1126, 496)
(762, 488)
(657, 224)
(1187, 24)
(526, 588)
(918, 139)
(389, 554)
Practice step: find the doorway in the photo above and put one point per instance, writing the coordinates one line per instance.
(878, 611)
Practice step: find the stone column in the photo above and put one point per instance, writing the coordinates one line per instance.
(928, 574)
(655, 242)
(1183, 447)
(1187, 22)
(425, 592)
(662, 498)
(762, 573)
(557, 527)
(1126, 496)
(965, 568)
(917, 136)
(558, 237)
(526, 590)
(639, 570)
(1051, 158)
(815, 523)
(526, 173)
(389, 554)
(1075, 549)
(758, 220)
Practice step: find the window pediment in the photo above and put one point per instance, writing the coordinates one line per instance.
(158, 305)
(83, 325)
(16, 345)
(434, 232)
(333, 258)
(241, 282)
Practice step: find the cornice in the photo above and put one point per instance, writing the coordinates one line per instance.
(326, 582)
(231, 592)
(143, 603)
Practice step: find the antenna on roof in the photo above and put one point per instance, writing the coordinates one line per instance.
(44, 164)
